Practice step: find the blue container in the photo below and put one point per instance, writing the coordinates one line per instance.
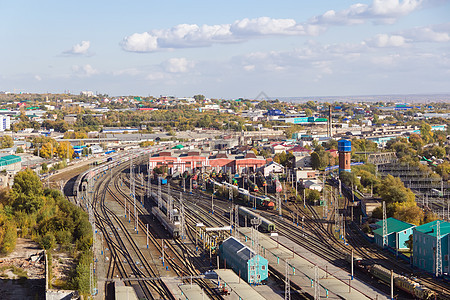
(344, 146)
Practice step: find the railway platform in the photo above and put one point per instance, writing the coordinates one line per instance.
(192, 292)
(334, 283)
(239, 288)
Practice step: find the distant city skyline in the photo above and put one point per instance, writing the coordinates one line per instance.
(288, 49)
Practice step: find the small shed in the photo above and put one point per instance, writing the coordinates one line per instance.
(244, 261)
(397, 233)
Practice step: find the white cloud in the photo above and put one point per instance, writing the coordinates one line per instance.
(384, 41)
(178, 65)
(394, 8)
(384, 11)
(140, 42)
(129, 71)
(249, 68)
(437, 33)
(37, 77)
(192, 35)
(84, 71)
(157, 76)
(79, 49)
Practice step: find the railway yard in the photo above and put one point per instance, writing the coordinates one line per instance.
(163, 239)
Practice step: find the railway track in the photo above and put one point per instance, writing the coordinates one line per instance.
(127, 259)
(186, 264)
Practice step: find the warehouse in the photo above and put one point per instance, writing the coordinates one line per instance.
(243, 260)
(397, 233)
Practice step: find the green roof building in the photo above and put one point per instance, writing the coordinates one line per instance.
(397, 234)
(424, 246)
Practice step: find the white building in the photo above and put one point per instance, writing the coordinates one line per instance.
(5, 123)
(272, 167)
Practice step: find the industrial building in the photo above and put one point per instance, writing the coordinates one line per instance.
(425, 247)
(195, 159)
(397, 233)
(9, 166)
(244, 261)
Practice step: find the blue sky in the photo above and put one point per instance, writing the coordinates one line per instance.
(226, 49)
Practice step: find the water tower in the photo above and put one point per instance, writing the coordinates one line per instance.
(345, 155)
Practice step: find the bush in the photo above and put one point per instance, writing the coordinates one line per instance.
(64, 237)
(48, 241)
(10, 238)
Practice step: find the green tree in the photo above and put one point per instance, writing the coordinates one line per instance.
(315, 160)
(391, 189)
(48, 241)
(312, 196)
(425, 131)
(27, 191)
(6, 141)
(9, 238)
(409, 242)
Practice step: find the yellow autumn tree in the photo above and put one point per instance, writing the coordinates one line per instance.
(46, 150)
(409, 212)
(64, 150)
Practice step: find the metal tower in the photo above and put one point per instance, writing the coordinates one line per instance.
(236, 221)
(182, 225)
(169, 203)
(385, 230)
(316, 283)
(287, 283)
(159, 194)
(255, 241)
(279, 203)
(438, 249)
(149, 184)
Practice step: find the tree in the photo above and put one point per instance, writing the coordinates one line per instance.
(443, 170)
(315, 160)
(9, 238)
(6, 141)
(312, 195)
(391, 189)
(65, 150)
(27, 191)
(425, 132)
(408, 211)
(199, 97)
(409, 242)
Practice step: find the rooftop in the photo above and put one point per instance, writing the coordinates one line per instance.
(393, 225)
(430, 228)
(9, 159)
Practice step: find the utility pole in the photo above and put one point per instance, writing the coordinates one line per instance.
(212, 200)
(279, 204)
(183, 233)
(169, 203)
(316, 283)
(287, 286)
(236, 221)
(255, 241)
(385, 229)
(352, 264)
(392, 284)
(438, 249)
(159, 194)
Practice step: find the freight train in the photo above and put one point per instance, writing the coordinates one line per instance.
(261, 201)
(403, 283)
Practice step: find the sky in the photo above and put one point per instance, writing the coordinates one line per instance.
(226, 49)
